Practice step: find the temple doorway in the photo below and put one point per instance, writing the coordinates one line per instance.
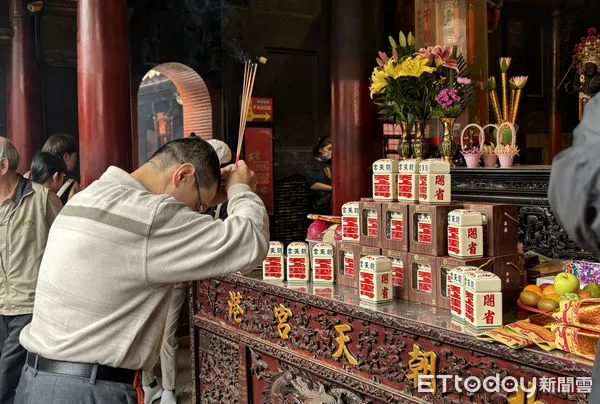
(172, 102)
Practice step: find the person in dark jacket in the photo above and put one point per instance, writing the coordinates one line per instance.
(574, 195)
(317, 174)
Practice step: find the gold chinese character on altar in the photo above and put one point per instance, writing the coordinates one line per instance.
(342, 339)
(282, 314)
(422, 367)
(235, 310)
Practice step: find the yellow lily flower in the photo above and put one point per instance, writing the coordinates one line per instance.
(414, 67)
(378, 81)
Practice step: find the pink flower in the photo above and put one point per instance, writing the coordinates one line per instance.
(382, 59)
(465, 81)
(442, 57)
(426, 52)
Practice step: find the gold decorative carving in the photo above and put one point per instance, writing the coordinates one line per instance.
(422, 367)
(235, 310)
(342, 339)
(282, 314)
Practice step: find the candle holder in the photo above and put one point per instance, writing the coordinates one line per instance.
(404, 145)
(420, 146)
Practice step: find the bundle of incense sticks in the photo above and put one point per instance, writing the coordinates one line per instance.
(249, 75)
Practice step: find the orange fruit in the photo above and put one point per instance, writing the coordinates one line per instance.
(584, 294)
(549, 290)
(553, 296)
(535, 289)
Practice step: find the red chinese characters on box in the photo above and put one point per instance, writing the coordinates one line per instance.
(434, 181)
(483, 299)
(323, 268)
(298, 267)
(372, 223)
(348, 263)
(375, 279)
(397, 272)
(385, 182)
(350, 221)
(273, 265)
(424, 228)
(396, 226)
(465, 234)
(408, 181)
(456, 290)
(424, 278)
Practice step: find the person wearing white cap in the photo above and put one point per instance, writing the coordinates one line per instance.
(168, 352)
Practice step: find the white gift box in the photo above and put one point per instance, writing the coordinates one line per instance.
(385, 180)
(434, 188)
(397, 272)
(274, 265)
(424, 278)
(424, 228)
(322, 263)
(396, 229)
(375, 279)
(455, 285)
(465, 234)
(298, 262)
(434, 181)
(351, 221)
(408, 181)
(483, 299)
(349, 263)
(372, 223)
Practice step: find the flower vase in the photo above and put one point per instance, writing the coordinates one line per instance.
(489, 160)
(420, 146)
(404, 145)
(448, 146)
(506, 160)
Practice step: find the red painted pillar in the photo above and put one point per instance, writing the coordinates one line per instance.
(355, 131)
(103, 87)
(23, 82)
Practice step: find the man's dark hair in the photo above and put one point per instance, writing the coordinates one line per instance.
(45, 165)
(59, 144)
(193, 150)
(321, 142)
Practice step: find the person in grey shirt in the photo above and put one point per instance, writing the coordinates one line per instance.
(574, 194)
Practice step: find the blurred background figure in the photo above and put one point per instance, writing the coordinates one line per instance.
(65, 147)
(48, 170)
(317, 174)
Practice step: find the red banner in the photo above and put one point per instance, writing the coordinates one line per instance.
(259, 157)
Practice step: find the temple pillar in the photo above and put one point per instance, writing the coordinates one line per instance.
(356, 134)
(103, 87)
(24, 115)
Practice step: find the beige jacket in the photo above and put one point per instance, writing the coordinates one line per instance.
(113, 255)
(24, 226)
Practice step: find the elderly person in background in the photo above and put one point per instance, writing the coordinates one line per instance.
(574, 195)
(113, 257)
(27, 211)
(48, 170)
